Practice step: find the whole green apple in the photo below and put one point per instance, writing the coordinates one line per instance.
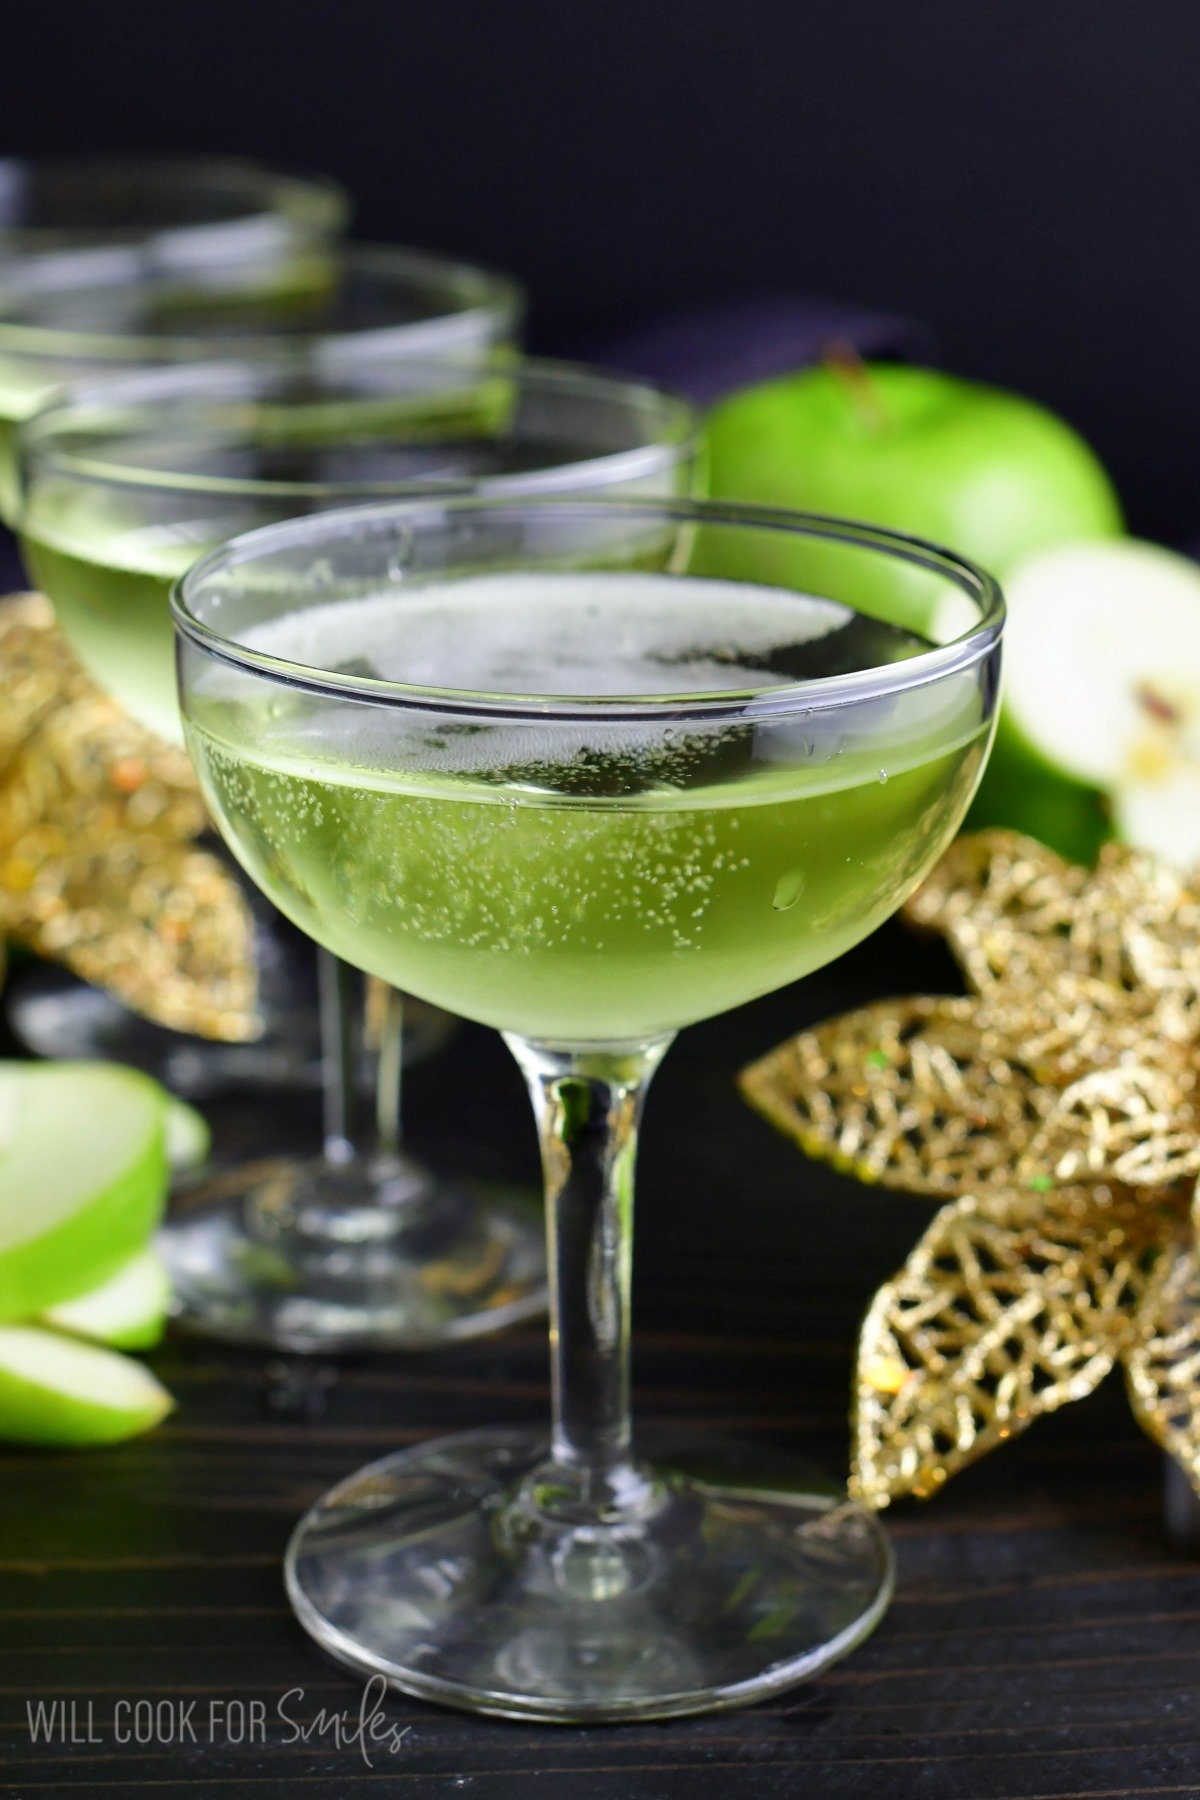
(987, 473)
(984, 472)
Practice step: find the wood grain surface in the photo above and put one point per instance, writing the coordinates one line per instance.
(1045, 1636)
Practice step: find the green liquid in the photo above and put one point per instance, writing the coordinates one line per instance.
(114, 608)
(553, 883)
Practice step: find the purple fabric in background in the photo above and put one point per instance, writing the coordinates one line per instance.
(709, 352)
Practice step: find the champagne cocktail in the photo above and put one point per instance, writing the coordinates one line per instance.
(613, 890)
(587, 771)
(126, 483)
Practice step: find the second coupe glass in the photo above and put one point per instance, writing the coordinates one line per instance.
(124, 485)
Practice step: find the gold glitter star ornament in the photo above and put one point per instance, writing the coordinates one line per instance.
(99, 867)
(1056, 1111)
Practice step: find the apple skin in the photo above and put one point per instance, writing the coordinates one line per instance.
(127, 1312)
(86, 1248)
(80, 1254)
(986, 473)
(983, 472)
(122, 1399)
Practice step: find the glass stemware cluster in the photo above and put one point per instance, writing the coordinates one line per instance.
(488, 705)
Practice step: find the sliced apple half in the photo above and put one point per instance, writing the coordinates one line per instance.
(1102, 681)
(1102, 649)
(83, 1178)
(129, 1311)
(54, 1390)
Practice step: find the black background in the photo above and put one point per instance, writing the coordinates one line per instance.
(1024, 177)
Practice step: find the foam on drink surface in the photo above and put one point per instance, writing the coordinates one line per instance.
(590, 636)
(587, 635)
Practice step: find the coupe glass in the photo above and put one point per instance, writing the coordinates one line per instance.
(311, 316)
(125, 483)
(587, 771)
(179, 212)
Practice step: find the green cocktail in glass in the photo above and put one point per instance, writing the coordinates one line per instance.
(606, 891)
(125, 483)
(298, 324)
(587, 771)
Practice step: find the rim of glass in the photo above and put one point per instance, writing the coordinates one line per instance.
(471, 294)
(838, 690)
(673, 431)
(317, 204)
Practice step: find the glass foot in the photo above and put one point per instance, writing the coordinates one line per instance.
(54, 1014)
(731, 1574)
(377, 1254)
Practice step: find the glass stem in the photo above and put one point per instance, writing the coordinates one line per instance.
(389, 1074)
(339, 993)
(588, 1105)
(335, 994)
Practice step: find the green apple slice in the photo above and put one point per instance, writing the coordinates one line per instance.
(128, 1311)
(1102, 659)
(83, 1177)
(54, 1390)
(188, 1135)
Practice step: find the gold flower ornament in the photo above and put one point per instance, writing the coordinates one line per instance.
(1055, 1111)
(99, 865)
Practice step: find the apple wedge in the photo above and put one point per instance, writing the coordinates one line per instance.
(129, 1311)
(54, 1390)
(83, 1178)
(1102, 681)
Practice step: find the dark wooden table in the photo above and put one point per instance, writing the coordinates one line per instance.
(1044, 1640)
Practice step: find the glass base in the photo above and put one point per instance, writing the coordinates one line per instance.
(54, 1014)
(378, 1254)
(731, 1574)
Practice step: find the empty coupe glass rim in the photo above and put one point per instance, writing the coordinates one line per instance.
(314, 204)
(960, 652)
(469, 292)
